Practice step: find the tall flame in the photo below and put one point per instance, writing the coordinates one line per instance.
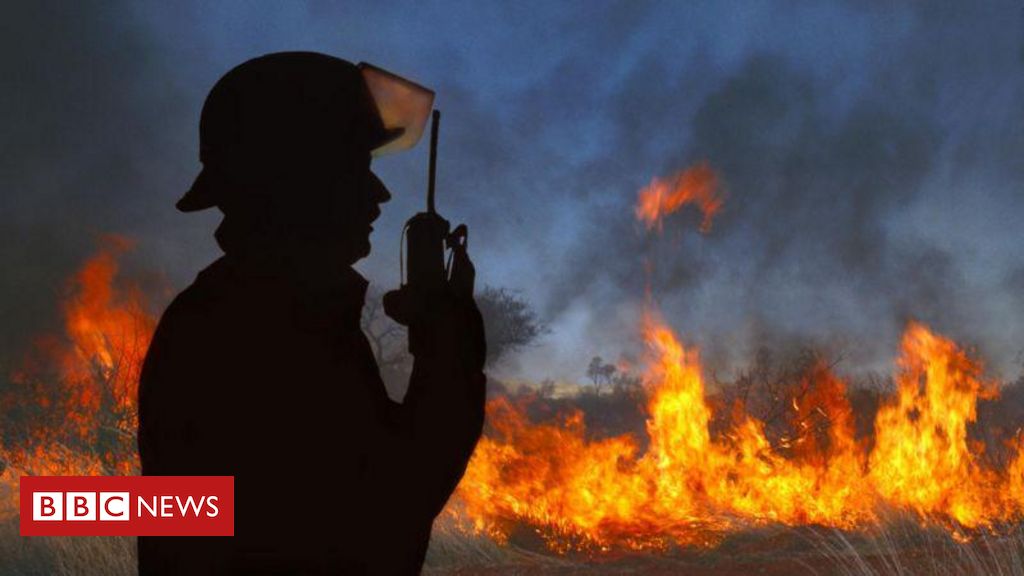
(922, 459)
(72, 407)
(690, 486)
(109, 329)
(686, 487)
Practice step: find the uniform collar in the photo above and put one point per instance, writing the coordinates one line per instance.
(324, 297)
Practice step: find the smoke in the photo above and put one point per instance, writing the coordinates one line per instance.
(861, 195)
(871, 155)
(69, 149)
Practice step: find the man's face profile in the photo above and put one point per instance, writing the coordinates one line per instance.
(346, 203)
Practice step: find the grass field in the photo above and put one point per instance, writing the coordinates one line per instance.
(901, 547)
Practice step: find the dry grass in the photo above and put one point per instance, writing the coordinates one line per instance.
(64, 556)
(454, 552)
(900, 548)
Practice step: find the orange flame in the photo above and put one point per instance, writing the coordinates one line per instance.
(690, 487)
(76, 394)
(109, 331)
(696, 185)
(922, 459)
(685, 481)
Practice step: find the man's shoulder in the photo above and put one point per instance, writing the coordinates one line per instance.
(202, 327)
(211, 284)
(199, 304)
(224, 308)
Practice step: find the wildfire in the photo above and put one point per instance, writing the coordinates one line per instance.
(689, 486)
(696, 185)
(682, 484)
(71, 410)
(922, 459)
(684, 480)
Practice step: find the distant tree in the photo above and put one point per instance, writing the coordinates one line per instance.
(623, 382)
(388, 342)
(601, 374)
(510, 323)
(547, 389)
(387, 337)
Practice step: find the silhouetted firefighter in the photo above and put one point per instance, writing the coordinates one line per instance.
(259, 369)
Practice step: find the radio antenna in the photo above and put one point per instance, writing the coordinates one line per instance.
(435, 121)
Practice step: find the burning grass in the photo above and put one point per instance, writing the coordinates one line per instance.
(682, 485)
(69, 408)
(686, 479)
(899, 546)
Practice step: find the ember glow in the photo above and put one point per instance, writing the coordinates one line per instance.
(697, 185)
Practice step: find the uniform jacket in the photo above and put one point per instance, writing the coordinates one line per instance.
(256, 374)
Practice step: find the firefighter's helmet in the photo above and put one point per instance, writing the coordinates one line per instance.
(292, 113)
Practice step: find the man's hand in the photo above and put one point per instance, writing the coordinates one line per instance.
(444, 327)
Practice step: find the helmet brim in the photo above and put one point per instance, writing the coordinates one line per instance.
(200, 196)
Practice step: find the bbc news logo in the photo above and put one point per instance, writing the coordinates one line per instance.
(127, 505)
(81, 506)
(115, 506)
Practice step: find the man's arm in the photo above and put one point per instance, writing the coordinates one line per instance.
(156, 395)
(173, 365)
(430, 436)
(445, 401)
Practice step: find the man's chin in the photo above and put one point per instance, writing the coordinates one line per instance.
(359, 251)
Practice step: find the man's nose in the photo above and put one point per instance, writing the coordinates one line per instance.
(378, 191)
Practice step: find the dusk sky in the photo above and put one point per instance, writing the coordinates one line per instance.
(872, 154)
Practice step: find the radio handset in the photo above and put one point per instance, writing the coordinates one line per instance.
(436, 265)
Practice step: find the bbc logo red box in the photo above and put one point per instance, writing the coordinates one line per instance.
(127, 505)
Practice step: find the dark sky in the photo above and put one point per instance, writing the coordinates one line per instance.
(873, 155)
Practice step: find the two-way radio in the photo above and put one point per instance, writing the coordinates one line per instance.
(430, 274)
